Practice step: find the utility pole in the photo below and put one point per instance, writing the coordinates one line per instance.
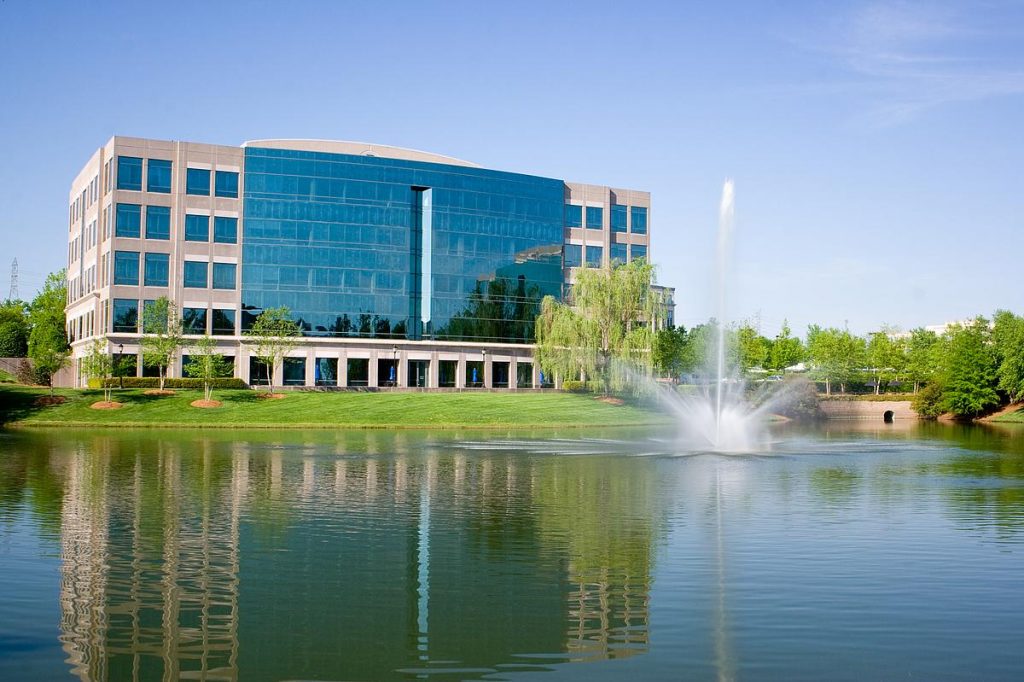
(13, 295)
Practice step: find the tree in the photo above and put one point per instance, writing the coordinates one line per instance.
(786, 350)
(609, 317)
(970, 372)
(162, 335)
(922, 356)
(272, 335)
(48, 342)
(207, 364)
(668, 351)
(752, 348)
(99, 364)
(14, 329)
(1008, 337)
(886, 355)
(835, 355)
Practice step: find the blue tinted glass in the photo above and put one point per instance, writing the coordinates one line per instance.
(193, 320)
(223, 275)
(195, 274)
(595, 217)
(156, 272)
(618, 253)
(573, 255)
(126, 267)
(225, 230)
(573, 216)
(128, 221)
(158, 222)
(125, 315)
(197, 228)
(197, 181)
(158, 177)
(343, 242)
(618, 218)
(223, 322)
(638, 251)
(594, 256)
(639, 216)
(129, 172)
(226, 184)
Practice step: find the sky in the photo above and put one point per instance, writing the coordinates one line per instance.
(876, 147)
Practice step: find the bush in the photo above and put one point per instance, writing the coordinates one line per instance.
(928, 402)
(799, 400)
(154, 382)
(573, 386)
(26, 374)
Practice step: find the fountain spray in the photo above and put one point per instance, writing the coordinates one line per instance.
(725, 226)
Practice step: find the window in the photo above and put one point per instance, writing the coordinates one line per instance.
(573, 216)
(195, 274)
(193, 320)
(447, 371)
(223, 322)
(156, 270)
(129, 221)
(595, 254)
(129, 173)
(358, 371)
(294, 371)
(225, 230)
(158, 179)
(126, 315)
(325, 372)
(524, 375)
(573, 255)
(126, 267)
(158, 222)
(224, 275)
(197, 228)
(618, 217)
(197, 181)
(226, 184)
(638, 251)
(595, 217)
(618, 253)
(639, 215)
(258, 372)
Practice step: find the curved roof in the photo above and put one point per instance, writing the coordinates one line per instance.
(359, 149)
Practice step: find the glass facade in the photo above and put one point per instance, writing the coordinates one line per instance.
(223, 322)
(618, 218)
(129, 173)
(225, 184)
(126, 267)
(639, 216)
(357, 246)
(195, 274)
(128, 220)
(158, 176)
(193, 320)
(197, 181)
(294, 371)
(595, 217)
(595, 254)
(325, 372)
(125, 315)
(224, 275)
(618, 253)
(225, 230)
(573, 215)
(573, 255)
(156, 270)
(158, 222)
(638, 251)
(197, 228)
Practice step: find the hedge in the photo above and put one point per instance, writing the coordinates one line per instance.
(154, 382)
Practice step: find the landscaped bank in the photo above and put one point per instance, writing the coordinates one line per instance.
(248, 409)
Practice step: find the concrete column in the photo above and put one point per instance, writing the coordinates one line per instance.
(513, 373)
(343, 368)
(371, 377)
(536, 374)
(434, 373)
(310, 369)
(460, 372)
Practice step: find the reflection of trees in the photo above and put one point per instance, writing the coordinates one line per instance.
(498, 310)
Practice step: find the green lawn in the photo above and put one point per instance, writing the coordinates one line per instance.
(322, 410)
(1016, 416)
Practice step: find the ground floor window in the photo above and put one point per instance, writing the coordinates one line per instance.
(295, 371)
(499, 374)
(418, 373)
(447, 370)
(257, 372)
(387, 372)
(474, 374)
(325, 372)
(524, 375)
(358, 370)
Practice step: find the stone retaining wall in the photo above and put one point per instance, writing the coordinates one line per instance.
(867, 409)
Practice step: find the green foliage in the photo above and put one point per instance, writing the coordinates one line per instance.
(154, 382)
(786, 350)
(669, 351)
(923, 356)
(605, 328)
(162, 335)
(47, 341)
(928, 401)
(836, 355)
(799, 400)
(206, 364)
(1008, 336)
(574, 386)
(14, 329)
(98, 365)
(752, 349)
(273, 334)
(887, 357)
(970, 374)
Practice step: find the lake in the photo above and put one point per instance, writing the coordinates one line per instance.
(843, 553)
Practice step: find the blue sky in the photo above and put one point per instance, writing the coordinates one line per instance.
(876, 147)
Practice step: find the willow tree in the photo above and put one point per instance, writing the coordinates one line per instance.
(605, 328)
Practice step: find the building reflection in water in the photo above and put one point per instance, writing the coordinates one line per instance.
(208, 559)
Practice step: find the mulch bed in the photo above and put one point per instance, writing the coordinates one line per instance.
(270, 396)
(157, 391)
(610, 400)
(206, 403)
(48, 400)
(106, 405)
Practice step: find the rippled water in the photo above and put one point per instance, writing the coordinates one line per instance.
(343, 556)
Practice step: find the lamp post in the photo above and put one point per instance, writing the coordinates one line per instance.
(120, 373)
(483, 379)
(394, 363)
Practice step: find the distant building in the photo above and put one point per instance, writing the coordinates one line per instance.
(403, 268)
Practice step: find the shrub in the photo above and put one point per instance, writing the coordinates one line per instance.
(928, 402)
(154, 382)
(573, 386)
(799, 400)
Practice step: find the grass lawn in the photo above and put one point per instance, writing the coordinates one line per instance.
(1016, 416)
(242, 408)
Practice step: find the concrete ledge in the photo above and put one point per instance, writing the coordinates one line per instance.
(867, 409)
